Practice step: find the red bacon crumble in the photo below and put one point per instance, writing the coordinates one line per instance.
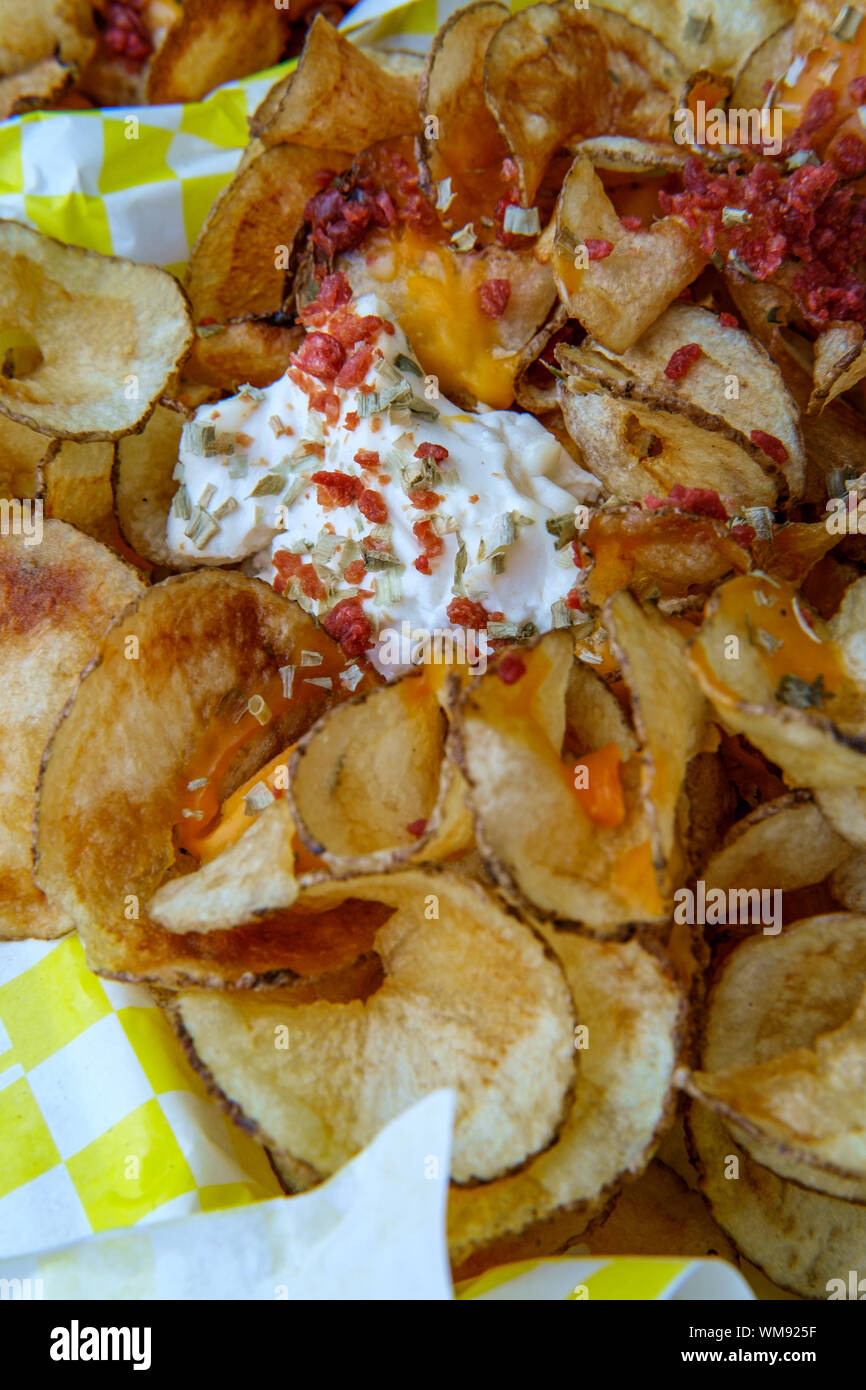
(349, 625)
(422, 564)
(425, 501)
(743, 535)
(770, 445)
(354, 573)
(367, 458)
(336, 489)
(430, 543)
(847, 153)
(597, 249)
(350, 420)
(291, 566)
(126, 33)
(493, 296)
(510, 668)
(373, 506)
(729, 321)
(355, 367)
(631, 224)
(417, 828)
(437, 452)
(327, 404)
(572, 600)
(682, 361)
(320, 355)
(701, 500)
(857, 91)
(466, 612)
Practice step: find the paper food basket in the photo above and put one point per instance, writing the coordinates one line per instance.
(119, 1178)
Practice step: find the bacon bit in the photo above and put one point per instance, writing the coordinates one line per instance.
(355, 367)
(743, 535)
(857, 91)
(301, 380)
(437, 452)
(703, 501)
(334, 291)
(577, 553)
(632, 224)
(126, 33)
(289, 566)
(245, 440)
(770, 445)
(729, 321)
(493, 297)
(311, 584)
(350, 420)
(422, 564)
(431, 544)
(383, 479)
(371, 542)
(683, 360)
(367, 458)
(510, 668)
(375, 424)
(354, 573)
(327, 404)
(473, 497)
(373, 506)
(820, 108)
(572, 600)
(465, 612)
(597, 249)
(425, 501)
(336, 489)
(205, 323)
(847, 153)
(349, 328)
(417, 828)
(320, 355)
(349, 625)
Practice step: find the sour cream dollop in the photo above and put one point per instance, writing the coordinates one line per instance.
(351, 478)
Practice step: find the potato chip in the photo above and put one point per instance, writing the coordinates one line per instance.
(251, 878)
(624, 154)
(616, 295)
(129, 324)
(719, 34)
(78, 487)
(22, 455)
(771, 57)
(785, 844)
(567, 833)
(213, 42)
(658, 1215)
(144, 484)
(59, 590)
(845, 809)
(370, 786)
(553, 72)
(802, 1240)
(458, 970)
(642, 432)
(172, 699)
(44, 29)
(239, 261)
(840, 362)
(632, 1009)
(253, 350)
(35, 87)
(787, 681)
(339, 98)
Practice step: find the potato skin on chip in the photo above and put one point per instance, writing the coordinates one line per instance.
(720, 34)
(658, 1214)
(212, 42)
(470, 998)
(253, 350)
(56, 600)
(115, 772)
(129, 325)
(143, 485)
(785, 844)
(634, 1012)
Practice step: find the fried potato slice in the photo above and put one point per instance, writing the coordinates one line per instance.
(571, 856)
(215, 41)
(633, 1010)
(840, 362)
(253, 350)
(553, 72)
(172, 683)
(235, 267)
(313, 109)
(129, 325)
(659, 1215)
(22, 455)
(800, 1239)
(370, 786)
(790, 683)
(144, 484)
(845, 809)
(720, 34)
(44, 29)
(251, 878)
(625, 154)
(785, 844)
(78, 487)
(36, 86)
(57, 598)
(668, 552)
(472, 978)
(782, 1054)
(848, 882)
(642, 433)
(772, 56)
(621, 294)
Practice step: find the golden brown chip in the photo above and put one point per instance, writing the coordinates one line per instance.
(371, 787)
(239, 261)
(37, 86)
(840, 362)
(772, 56)
(59, 591)
(784, 844)
(144, 485)
(642, 432)
(22, 455)
(213, 42)
(621, 294)
(252, 350)
(470, 998)
(632, 1010)
(659, 1215)
(168, 702)
(553, 72)
(78, 487)
(717, 34)
(339, 98)
(44, 29)
(110, 334)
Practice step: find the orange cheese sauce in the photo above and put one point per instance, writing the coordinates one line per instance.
(833, 64)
